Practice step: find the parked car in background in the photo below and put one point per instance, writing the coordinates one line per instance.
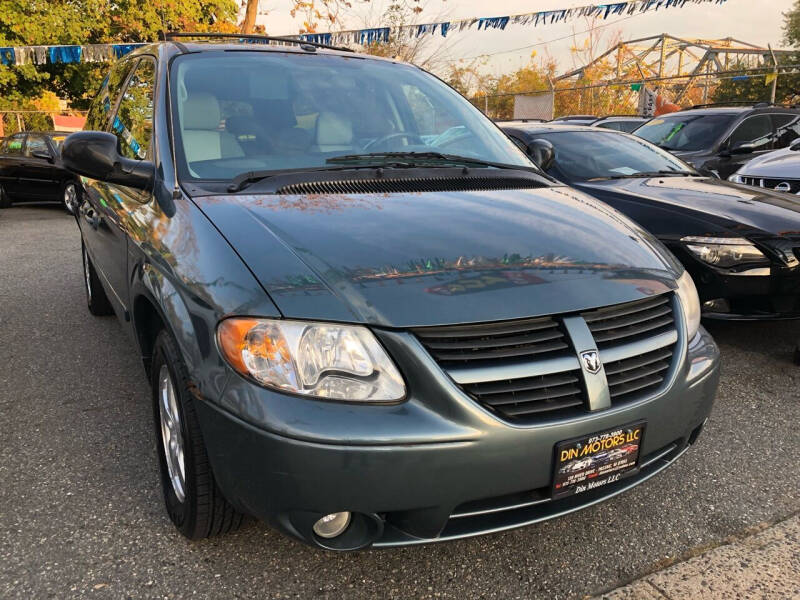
(741, 245)
(624, 123)
(718, 140)
(575, 119)
(31, 170)
(778, 170)
(372, 321)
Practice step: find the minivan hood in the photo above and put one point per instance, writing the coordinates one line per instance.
(780, 164)
(416, 259)
(741, 209)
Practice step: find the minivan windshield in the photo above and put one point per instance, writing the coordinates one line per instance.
(240, 111)
(598, 154)
(685, 132)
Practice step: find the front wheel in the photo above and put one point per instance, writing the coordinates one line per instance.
(194, 502)
(69, 196)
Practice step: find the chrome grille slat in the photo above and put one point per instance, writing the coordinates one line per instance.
(527, 370)
(513, 340)
(504, 352)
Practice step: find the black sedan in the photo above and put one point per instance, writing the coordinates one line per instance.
(31, 170)
(740, 244)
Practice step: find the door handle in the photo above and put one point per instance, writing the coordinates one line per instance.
(91, 218)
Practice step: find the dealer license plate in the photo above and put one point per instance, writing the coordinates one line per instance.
(593, 461)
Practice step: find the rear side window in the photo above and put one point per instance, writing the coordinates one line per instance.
(756, 130)
(12, 146)
(133, 123)
(106, 98)
(787, 129)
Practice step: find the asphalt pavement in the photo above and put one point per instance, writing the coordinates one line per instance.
(81, 512)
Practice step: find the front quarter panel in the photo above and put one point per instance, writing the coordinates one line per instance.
(184, 267)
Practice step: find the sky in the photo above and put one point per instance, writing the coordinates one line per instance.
(754, 21)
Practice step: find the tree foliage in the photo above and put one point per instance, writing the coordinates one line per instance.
(791, 25)
(43, 22)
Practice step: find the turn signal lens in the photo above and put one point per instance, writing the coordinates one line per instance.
(341, 362)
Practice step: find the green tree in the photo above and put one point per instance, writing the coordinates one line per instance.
(43, 22)
(754, 88)
(791, 26)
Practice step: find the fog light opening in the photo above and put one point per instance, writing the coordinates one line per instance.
(332, 525)
(718, 305)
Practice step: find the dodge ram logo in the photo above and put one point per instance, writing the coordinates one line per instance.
(591, 361)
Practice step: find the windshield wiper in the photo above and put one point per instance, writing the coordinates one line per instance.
(242, 180)
(412, 159)
(662, 173)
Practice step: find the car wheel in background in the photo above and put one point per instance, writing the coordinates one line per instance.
(5, 201)
(69, 195)
(194, 503)
(96, 298)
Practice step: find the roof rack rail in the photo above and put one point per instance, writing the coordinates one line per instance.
(172, 36)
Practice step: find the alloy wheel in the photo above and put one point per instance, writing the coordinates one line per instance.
(171, 436)
(70, 197)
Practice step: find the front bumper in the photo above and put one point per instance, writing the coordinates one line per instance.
(773, 295)
(436, 467)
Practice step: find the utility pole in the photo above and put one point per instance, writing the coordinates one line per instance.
(775, 78)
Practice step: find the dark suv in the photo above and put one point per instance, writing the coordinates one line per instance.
(718, 140)
(366, 316)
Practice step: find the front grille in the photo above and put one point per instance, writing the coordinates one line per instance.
(490, 342)
(794, 184)
(527, 370)
(628, 322)
(638, 375)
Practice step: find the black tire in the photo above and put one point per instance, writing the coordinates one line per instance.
(203, 512)
(96, 298)
(797, 354)
(5, 201)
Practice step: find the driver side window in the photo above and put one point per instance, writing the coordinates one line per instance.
(756, 130)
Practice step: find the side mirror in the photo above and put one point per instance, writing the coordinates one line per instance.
(43, 154)
(795, 145)
(542, 153)
(94, 154)
(742, 148)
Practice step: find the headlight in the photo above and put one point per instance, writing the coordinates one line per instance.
(735, 178)
(324, 360)
(687, 294)
(724, 252)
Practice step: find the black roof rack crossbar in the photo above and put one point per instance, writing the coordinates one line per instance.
(172, 36)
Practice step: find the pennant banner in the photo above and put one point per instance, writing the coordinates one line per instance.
(39, 55)
(542, 17)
